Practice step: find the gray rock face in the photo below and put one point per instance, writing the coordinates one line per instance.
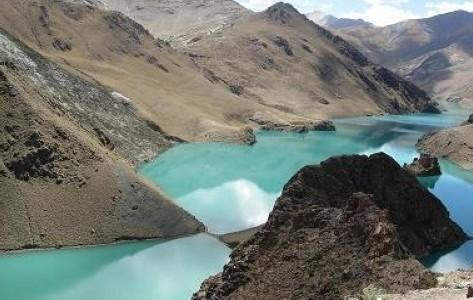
(90, 104)
(340, 226)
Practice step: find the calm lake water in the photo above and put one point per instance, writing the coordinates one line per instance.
(229, 188)
(234, 187)
(139, 271)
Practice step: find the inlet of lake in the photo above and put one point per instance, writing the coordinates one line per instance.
(230, 188)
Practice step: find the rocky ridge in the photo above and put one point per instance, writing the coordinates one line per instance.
(350, 223)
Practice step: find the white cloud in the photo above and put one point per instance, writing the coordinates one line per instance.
(258, 5)
(382, 13)
(303, 6)
(435, 8)
(386, 2)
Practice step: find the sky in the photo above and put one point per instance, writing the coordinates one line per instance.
(378, 12)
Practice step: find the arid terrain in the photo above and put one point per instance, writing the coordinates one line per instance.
(282, 66)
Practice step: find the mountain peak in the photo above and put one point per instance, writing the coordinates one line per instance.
(282, 12)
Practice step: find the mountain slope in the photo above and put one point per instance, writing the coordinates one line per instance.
(65, 162)
(219, 83)
(285, 61)
(435, 53)
(106, 47)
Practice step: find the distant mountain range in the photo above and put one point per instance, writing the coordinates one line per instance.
(435, 53)
(332, 22)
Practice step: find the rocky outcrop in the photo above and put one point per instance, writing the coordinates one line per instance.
(451, 286)
(339, 227)
(432, 108)
(296, 126)
(455, 144)
(469, 121)
(424, 166)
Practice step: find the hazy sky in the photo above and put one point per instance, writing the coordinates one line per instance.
(379, 12)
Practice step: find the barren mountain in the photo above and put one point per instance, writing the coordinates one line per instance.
(66, 150)
(332, 22)
(274, 67)
(435, 53)
(347, 224)
(283, 60)
(108, 48)
(178, 20)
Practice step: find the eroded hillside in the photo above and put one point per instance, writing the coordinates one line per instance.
(65, 162)
(282, 60)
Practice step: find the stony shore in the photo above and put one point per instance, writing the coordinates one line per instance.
(455, 144)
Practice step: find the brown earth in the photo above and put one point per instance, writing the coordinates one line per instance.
(340, 227)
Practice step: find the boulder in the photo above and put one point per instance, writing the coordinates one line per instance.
(431, 108)
(339, 227)
(425, 166)
(469, 121)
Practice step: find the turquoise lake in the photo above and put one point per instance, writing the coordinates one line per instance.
(229, 188)
(146, 270)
